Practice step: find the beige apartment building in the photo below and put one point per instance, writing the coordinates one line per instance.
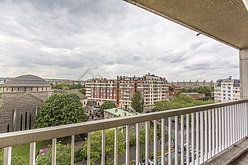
(227, 90)
(120, 91)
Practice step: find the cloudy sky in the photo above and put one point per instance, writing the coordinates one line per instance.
(67, 39)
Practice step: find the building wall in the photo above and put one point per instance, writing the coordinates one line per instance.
(121, 90)
(19, 113)
(9, 93)
(227, 90)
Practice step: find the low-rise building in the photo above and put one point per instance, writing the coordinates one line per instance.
(195, 95)
(117, 112)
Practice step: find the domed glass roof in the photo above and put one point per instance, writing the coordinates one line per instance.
(27, 81)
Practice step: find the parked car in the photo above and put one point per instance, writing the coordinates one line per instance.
(142, 162)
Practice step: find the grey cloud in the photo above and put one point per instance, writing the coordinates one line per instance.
(195, 45)
(137, 58)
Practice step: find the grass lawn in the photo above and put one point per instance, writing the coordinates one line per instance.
(23, 150)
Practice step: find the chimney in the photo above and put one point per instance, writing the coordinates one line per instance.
(230, 77)
(148, 73)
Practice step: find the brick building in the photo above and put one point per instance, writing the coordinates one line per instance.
(21, 99)
(121, 90)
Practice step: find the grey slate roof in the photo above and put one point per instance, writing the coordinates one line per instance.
(27, 81)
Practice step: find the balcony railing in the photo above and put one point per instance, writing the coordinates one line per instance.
(206, 131)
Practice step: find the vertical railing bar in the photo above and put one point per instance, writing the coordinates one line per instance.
(237, 123)
(163, 141)
(192, 139)
(223, 128)
(127, 144)
(147, 142)
(233, 124)
(103, 146)
(197, 138)
(243, 114)
(235, 127)
(213, 133)
(182, 139)
(169, 138)
(187, 139)
(155, 143)
(216, 131)
(176, 139)
(220, 131)
(240, 120)
(206, 135)
(7, 156)
(54, 146)
(227, 129)
(32, 153)
(116, 147)
(137, 144)
(88, 148)
(202, 138)
(209, 134)
(245, 109)
(72, 149)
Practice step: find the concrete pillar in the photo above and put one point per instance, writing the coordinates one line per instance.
(243, 56)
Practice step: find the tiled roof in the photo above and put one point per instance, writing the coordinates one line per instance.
(27, 81)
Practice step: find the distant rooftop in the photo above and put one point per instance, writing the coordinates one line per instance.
(82, 96)
(27, 81)
(120, 112)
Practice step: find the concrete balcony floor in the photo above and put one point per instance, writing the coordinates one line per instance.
(236, 154)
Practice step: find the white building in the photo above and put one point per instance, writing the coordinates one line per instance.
(227, 90)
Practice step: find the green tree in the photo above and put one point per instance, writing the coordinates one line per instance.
(137, 102)
(83, 91)
(96, 145)
(132, 141)
(161, 105)
(60, 109)
(106, 105)
(183, 90)
(63, 155)
(190, 90)
(180, 101)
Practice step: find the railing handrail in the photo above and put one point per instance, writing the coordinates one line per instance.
(41, 134)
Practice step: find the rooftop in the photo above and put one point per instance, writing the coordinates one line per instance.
(27, 81)
(120, 112)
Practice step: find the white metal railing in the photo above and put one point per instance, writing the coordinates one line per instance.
(208, 130)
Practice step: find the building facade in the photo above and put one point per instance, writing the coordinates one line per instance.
(21, 100)
(120, 91)
(227, 90)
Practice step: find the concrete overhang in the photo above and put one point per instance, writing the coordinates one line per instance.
(222, 20)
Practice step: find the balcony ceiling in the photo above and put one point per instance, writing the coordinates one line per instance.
(223, 20)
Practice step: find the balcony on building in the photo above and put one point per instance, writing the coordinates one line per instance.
(211, 134)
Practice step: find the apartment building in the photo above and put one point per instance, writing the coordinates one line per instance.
(227, 90)
(120, 90)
